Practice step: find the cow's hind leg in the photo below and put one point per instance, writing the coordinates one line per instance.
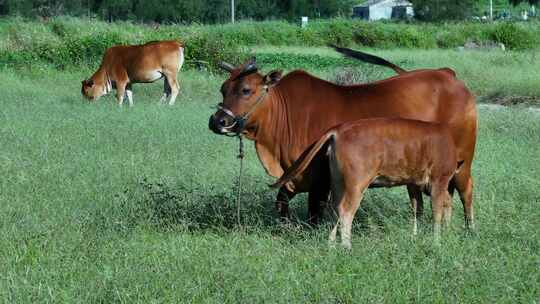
(170, 78)
(417, 203)
(282, 201)
(166, 90)
(464, 185)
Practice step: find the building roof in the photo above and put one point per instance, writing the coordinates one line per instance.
(391, 2)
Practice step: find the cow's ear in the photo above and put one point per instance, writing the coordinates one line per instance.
(272, 78)
(88, 83)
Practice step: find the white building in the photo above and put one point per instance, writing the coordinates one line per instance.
(384, 9)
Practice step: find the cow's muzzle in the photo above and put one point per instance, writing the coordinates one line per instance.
(224, 122)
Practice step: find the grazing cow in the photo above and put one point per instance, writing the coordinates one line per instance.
(285, 115)
(124, 65)
(383, 152)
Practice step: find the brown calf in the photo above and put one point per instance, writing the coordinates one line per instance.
(383, 152)
(124, 65)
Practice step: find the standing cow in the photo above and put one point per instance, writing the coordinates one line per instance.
(285, 115)
(124, 65)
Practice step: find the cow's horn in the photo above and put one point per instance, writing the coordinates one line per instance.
(250, 66)
(226, 66)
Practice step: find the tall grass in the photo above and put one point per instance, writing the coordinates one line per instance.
(104, 204)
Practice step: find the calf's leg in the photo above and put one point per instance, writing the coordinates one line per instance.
(347, 209)
(347, 192)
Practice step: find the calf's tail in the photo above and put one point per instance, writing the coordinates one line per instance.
(304, 160)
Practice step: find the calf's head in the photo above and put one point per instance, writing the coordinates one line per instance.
(243, 93)
(91, 90)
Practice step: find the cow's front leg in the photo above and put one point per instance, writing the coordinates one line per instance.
(120, 92)
(282, 201)
(129, 94)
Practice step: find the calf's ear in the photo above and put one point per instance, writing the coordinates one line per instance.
(88, 83)
(272, 78)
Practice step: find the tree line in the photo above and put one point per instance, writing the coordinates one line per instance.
(218, 11)
(178, 11)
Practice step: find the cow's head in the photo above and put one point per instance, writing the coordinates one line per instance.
(91, 90)
(243, 93)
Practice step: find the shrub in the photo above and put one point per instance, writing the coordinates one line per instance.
(210, 49)
(512, 36)
(75, 41)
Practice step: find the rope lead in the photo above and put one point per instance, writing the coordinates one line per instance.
(239, 192)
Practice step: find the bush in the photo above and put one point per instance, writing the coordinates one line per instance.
(73, 41)
(512, 36)
(211, 49)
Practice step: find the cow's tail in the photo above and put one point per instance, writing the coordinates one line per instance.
(365, 57)
(304, 160)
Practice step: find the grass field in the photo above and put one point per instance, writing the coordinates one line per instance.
(102, 204)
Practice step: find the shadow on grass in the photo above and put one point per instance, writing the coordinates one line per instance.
(164, 207)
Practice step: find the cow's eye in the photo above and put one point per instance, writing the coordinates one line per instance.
(246, 91)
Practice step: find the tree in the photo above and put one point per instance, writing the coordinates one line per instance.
(185, 11)
(439, 10)
(531, 2)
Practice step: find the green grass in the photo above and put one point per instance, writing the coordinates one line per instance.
(103, 204)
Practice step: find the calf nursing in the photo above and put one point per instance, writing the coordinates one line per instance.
(383, 152)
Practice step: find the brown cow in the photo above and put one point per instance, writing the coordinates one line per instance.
(384, 152)
(124, 65)
(285, 115)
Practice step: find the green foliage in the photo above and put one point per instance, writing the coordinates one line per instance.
(67, 41)
(513, 36)
(299, 61)
(212, 49)
(531, 2)
(438, 10)
(185, 11)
